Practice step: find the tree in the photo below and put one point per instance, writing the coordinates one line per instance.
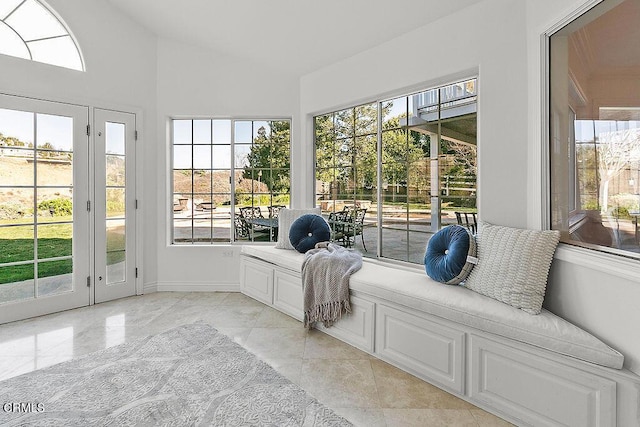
(269, 158)
(615, 151)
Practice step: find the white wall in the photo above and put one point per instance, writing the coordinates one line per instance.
(120, 59)
(458, 46)
(500, 40)
(197, 83)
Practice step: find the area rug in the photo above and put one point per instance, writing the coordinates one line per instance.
(190, 375)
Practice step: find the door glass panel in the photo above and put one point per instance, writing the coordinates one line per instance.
(16, 283)
(55, 277)
(115, 170)
(116, 251)
(115, 202)
(36, 187)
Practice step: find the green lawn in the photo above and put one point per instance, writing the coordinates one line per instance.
(54, 240)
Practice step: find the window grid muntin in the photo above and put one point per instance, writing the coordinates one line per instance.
(227, 140)
(456, 96)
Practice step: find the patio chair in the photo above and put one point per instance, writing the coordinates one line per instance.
(250, 212)
(253, 212)
(469, 220)
(355, 226)
(242, 229)
(274, 210)
(337, 222)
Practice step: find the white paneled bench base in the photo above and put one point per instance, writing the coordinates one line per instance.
(536, 370)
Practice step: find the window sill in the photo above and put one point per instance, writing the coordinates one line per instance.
(614, 265)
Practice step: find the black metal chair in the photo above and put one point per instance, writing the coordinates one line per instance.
(355, 226)
(469, 220)
(274, 210)
(338, 222)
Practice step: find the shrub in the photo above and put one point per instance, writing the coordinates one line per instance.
(11, 210)
(57, 207)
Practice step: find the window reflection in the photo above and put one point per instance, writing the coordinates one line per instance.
(595, 129)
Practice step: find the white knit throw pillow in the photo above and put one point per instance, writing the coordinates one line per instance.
(513, 265)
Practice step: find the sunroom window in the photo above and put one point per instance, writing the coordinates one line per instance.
(30, 30)
(595, 129)
(391, 173)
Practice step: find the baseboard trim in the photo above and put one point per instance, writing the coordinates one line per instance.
(191, 287)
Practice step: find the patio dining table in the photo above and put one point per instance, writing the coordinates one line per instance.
(270, 223)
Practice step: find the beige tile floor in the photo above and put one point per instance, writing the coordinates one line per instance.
(358, 386)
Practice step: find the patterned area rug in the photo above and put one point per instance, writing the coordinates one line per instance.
(190, 375)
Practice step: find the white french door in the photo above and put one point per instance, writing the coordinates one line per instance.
(44, 217)
(114, 205)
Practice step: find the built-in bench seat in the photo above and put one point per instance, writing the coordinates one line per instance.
(529, 369)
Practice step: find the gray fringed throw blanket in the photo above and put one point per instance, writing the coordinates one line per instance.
(325, 282)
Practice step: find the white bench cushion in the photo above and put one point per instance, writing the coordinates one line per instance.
(287, 258)
(461, 305)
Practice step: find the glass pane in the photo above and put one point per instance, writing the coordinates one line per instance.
(55, 277)
(61, 51)
(182, 231)
(182, 157)
(221, 182)
(394, 146)
(243, 132)
(16, 204)
(7, 6)
(182, 132)
(16, 243)
(32, 21)
(279, 156)
(116, 251)
(417, 246)
(16, 283)
(366, 119)
(202, 157)
(345, 152)
(115, 138)
(241, 155)
(54, 133)
(55, 240)
(394, 113)
(182, 181)
(115, 202)
(16, 128)
(202, 230)
(221, 131)
(261, 130)
(221, 156)
(221, 229)
(324, 128)
(202, 131)
(115, 170)
(55, 205)
(344, 123)
(12, 44)
(280, 181)
(203, 205)
(16, 166)
(54, 169)
(201, 181)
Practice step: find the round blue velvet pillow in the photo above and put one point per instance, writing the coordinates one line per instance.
(446, 259)
(308, 230)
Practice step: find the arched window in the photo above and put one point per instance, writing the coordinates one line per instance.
(28, 29)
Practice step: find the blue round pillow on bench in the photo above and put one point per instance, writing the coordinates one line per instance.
(308, 230)
(450, 255)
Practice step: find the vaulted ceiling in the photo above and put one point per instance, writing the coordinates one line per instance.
(289, 36)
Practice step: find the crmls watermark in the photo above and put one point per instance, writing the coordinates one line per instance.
(23, 407)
